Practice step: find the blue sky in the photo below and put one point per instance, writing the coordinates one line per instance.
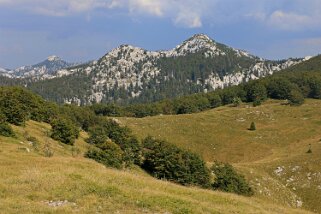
(81, 30)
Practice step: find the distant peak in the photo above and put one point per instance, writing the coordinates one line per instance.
(128, 47)
(201, 36)
(53, 58)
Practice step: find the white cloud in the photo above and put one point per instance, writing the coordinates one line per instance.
(188, 19)
(298, 15)
(290, 21)
(279, 14)
(155, 7)
(55, 7)
(185, 13)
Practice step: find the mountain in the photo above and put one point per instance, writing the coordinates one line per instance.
(5, 72)
(42, 70)
(130, 74)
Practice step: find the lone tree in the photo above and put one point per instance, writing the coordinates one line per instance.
(252, 127)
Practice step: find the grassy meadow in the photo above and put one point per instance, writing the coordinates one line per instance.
(280, 143)
(273, 158)
(29, 181)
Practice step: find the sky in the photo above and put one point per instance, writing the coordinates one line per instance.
(83, 30)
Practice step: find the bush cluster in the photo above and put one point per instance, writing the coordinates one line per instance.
(107, 153)
(110, 130)
(5, 128)
(228, 180)
(166, 161)
(64, 131)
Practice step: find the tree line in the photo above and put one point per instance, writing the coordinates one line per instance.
(291, 86)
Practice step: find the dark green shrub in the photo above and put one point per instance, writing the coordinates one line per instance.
(166, 161)
(107, 109)
(257, 103)
(128, 143)
(237, 101)
(64, 131)
(227, 95)
(110, 129)
(6, 130)
(14, 111)
(279, 88)
(256, 92)
(214, 99)
(97, 135)
(20, 105)
(132, 151)
(108, 153)
(315, 87)
(228, 180)
(296, 98)
(252, 127)
(185, 107)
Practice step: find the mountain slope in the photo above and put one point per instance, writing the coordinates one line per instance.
(33, 183)
(130, 74)
(274, 157)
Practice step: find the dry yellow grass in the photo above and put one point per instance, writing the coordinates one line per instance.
(28, 180)
(281, 140)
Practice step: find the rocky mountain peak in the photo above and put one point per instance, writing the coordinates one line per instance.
(53, 58)
(201, 37)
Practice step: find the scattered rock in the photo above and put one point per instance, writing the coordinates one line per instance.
(299, 203)
(279, 170)
(291, 179)
(240, 120)
(295, 168)
(59, 203)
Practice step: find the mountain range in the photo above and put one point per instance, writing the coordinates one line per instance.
(129, 74)
(42, 70)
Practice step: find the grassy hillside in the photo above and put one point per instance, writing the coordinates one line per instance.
(273, 157)
(33, 183)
